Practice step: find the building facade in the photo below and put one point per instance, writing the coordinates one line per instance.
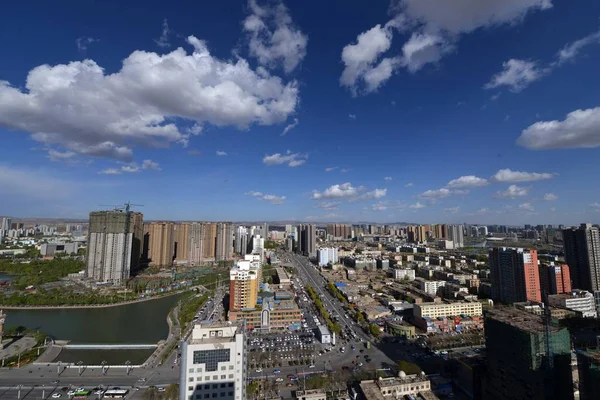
(307, 240)
(514, 275)
(456, 235)
(114, 245)
(555, 279)
(244, 279)
(159, 243)
(517, 361)
(213, 363)
(224, 239)
(327, 255)
(577, 300)
(582, 254)
(435, 310)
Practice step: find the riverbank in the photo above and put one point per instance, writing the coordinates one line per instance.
(122, 303)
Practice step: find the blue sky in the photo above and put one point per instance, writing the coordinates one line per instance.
(421, 111)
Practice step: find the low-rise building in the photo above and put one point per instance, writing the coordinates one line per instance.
(577, 300)
(396, 387)
(435, 310)
(313, 394)
(430, 287)
(401, 273)
(324, 334)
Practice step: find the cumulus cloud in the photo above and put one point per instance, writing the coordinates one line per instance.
(417, 205)
(526, 207)
(271, 198)
(375, 194)
(509, 176)
(163, 40)
(131, 168)
(516, 75)
(595, 206)
(79, 107)
(571, 50)
(344, 170)
(289, 158)
(580, 129)
(451, 210)
(329, 205)
(435, 194)
(55, 155)
(83, 42)
(329, 169)
(352, 116)
(435, 29)
(409, 184)
(550, 197)
(290, 127)
(379, 206)
(512, 192)
(221, 153)
(466, 181)
(344, 190)
(387, 178)
(273, 38)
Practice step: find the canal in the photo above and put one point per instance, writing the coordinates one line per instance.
(144, 322)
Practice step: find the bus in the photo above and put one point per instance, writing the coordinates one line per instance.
(116, 393)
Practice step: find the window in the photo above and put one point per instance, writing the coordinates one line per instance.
(223, 376)
(206, 387)
(222, 385)
(190, 388)
(231, 367)
(215, 386)
(191, 371)
(223, 368)
(230, 376)
(230, 384)
(191, 379)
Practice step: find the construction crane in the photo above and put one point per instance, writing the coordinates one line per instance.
(127, 208)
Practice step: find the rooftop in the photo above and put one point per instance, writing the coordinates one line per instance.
(521, 319)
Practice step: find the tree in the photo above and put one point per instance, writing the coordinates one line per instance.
(172, 392)
(374, 329)
(151, 393)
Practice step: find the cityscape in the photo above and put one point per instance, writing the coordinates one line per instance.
(306, 311)
(300, 200)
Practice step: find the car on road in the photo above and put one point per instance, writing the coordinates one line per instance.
(56, 395)
(55, 382)
(276, 371)
(259, 370)
(161, 389)
(71, 393)
(279, 380)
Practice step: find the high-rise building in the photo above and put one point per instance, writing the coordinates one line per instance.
(582, 254)
(182, 242)
(114, 245)
(307, 241)
(327, 255)
(244, 279)
(515, 275)
(241, 240)
(577, 300)
(224, 240)
(213, 363)
(422, 233)
(518, 365)
(555, 279)
(202, 242)
(455, 233)
(588, 365)
(159, 243)
(6, 225)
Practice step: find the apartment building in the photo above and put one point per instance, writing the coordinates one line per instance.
(435, 310)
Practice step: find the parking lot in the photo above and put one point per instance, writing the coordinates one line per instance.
(281, 349)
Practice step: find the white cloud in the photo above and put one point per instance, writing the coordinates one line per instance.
(271, 198)
(387, 178)
(273, 38)
(580, 129)
(409, 184)
(436, 27)
(466, 182)
(132, 168)
(513, 192)
(360, 58)
(526, 207)
(344, 190)
(290, 127)
(422, 49)
(595, 205)
(375, 194)
(149, 164)
(379, 206)
(289, 158)
(352, 116)
(451, 210)
(83, 42)
(343, 170)
(516, 75)
(163, 40)
(417, 205)
(571, 50)
(55, 155)
(329, 169)
(550, 197)
(84, 110)
(435, 194)
(509, 176)
(329, 205)
(221, 153)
